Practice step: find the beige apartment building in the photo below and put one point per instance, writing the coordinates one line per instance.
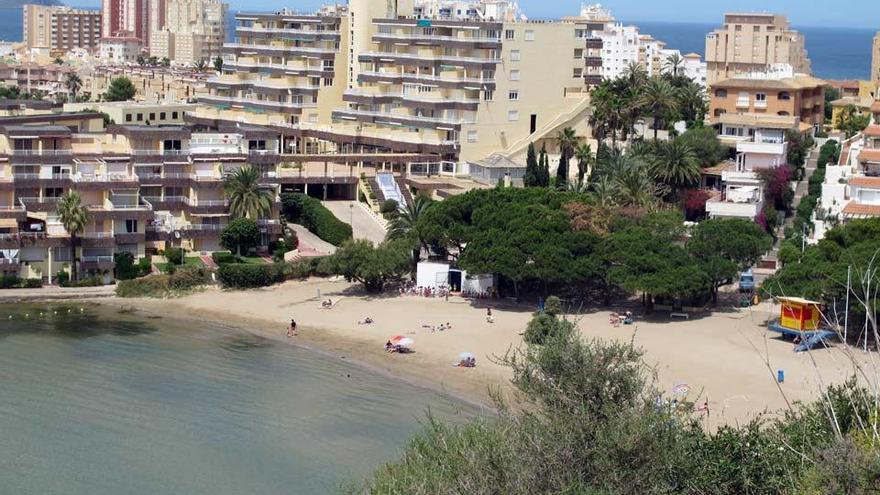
(375, 76)
(151, 83)
(59, 28)
(193, 30)
(752, 42)
(802, 97)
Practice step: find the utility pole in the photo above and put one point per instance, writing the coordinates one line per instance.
(846, 310)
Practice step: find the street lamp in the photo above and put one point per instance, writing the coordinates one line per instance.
(351, 218)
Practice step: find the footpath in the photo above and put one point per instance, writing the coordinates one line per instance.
(56, 293)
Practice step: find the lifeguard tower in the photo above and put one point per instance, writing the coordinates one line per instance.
(801, 319)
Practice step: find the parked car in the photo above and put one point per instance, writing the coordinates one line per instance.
(746, 281)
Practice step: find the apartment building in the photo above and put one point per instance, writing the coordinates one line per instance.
(154, 114)
(460, 87)
(119, 49)
(31, 77)
(60, 29)
(191, 30)
(145, 187)
(153, 84)
(126, 18)
(754, 116)
(751, 42)
(797, 96)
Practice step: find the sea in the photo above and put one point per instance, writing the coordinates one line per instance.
(94, 401)
(836, 53)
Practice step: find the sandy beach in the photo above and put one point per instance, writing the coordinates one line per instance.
(726, 357)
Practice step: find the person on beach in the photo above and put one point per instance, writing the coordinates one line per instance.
(291, 330)
(489, 318)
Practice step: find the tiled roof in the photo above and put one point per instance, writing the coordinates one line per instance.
(796, 82)
(873, 131)
(871, 155)
(862, 181)
(861, 210)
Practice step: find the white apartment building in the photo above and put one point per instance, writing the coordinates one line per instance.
(119, 50)
(193, 30)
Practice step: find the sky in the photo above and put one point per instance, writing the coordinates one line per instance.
(842, 13)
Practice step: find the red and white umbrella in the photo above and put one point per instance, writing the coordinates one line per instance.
(402, 341)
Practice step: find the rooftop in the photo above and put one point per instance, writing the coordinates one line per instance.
(796, 82)
(861, 210)
(863, 181)
(872, 131)
(757, 120)
(869, 155)
(497, 160)
(36, 130)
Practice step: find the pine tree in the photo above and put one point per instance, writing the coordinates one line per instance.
(545, 167)
(533, 172)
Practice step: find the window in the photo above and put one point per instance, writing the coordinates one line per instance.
(760, 97)
(514, 75)
(140, 117)
(578, 53)
(578, 73)
(513, 95)
(174, 115)
(131, 226)
(128, 117)
(161, 115)
(472, 136)
(530, 35)
(721, 93)
(509, 34)
(515, 56)
(152, 115)
(488, 95)
(328, 81)
(513, 115)
(719, 112)
(784, 95)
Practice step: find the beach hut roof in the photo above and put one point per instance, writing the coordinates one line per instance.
(797, 300)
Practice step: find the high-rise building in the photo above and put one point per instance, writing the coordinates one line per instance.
(126, 18)
(60, 29)
(752, 42)
(193, 30)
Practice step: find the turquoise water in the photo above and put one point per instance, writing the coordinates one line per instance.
(102, 402)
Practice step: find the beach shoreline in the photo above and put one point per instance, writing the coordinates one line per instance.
(726, 358)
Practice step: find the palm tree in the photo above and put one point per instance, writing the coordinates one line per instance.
(584, 155)
(692, 103)
(604, 192)
(673, 65)
(74, 217)
(201, 65)
(568, 140)
(635, 187)
(405, 225)
(658, 98)
(246, 198)
(635, 75)
(675, 164)
(73, 84)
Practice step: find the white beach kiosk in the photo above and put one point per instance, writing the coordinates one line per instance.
(439, 275)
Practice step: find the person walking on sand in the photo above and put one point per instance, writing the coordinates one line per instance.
(489, 318)
(291, 330)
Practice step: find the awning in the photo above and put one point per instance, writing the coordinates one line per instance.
(8, 223)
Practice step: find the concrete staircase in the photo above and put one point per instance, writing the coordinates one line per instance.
(404, 191)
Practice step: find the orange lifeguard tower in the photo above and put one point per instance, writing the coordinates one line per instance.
(798, 314)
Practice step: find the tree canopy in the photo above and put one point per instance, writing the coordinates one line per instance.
(120, 89)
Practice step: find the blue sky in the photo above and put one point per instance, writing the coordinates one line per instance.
(843, 13)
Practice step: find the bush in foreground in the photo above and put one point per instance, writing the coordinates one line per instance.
(245, 276)
(593, 423)
(311, 214)
(183, 280)
(13, 282)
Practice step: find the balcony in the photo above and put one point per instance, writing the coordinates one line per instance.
(760, 104)
(97, 263)
(167, 202)
(476, 83)
(435, 102)
(9, 241)
(434, 58)
(130, 237)
(281, 106)
(274, 50)
(439, 40)
(317, 70)
(398, 119)
(38, 204)
(209, 206)
(743, 102)
(305, 33)
(98, 239)
(41, 156)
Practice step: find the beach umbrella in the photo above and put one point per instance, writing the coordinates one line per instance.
(466, 355)
(396, 339)
(404, 342)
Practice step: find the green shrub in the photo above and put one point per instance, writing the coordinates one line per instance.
(145, 266)
(32, 283)
(303, 269)
(388, 206)
(175, 255)
(224, 257)
(240, 236)
(63, 278)
(311, 214)
(9, 282)
(246, 276)
(553, 306)
(182, 281)
(125, 267)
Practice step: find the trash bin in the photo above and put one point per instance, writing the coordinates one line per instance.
(780, 376)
